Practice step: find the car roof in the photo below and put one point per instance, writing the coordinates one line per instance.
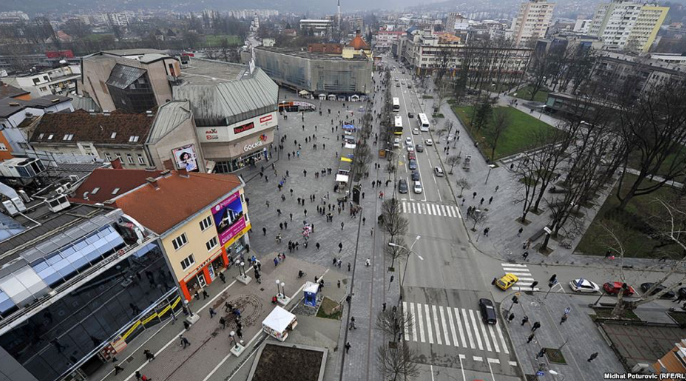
(485, 301)
(509, 276)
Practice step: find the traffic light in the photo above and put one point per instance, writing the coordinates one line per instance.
(515, 299)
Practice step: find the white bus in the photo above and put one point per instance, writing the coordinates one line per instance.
(398, 126)
(423, 122)
(396, 104)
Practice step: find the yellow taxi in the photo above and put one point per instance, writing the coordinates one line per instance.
(507, 281)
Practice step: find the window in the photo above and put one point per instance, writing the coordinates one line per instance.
(39, 136)
(108, 156)
(115, 191)
(133, 139)
(141, 160)
(50, 137)
(129, 158)
(95, 190)
(187, 262)
(179, 241)
(206, 223)
(3, 147)
(114, 135)
(211, 244)
(68, 137)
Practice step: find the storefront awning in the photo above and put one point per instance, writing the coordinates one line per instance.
(341, 178)
(278, 320)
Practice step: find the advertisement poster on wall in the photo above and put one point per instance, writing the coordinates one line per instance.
(228, 217)
(185, 158)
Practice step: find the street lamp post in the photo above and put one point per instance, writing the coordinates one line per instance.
(409, 251)
(278, 290)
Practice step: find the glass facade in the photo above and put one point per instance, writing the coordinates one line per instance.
(68, 331)
(238, 163)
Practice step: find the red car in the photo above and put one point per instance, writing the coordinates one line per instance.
(411, 156)
(613, 288)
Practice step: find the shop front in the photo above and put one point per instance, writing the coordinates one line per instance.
(204, 274)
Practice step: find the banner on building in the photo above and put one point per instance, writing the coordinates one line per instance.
(185, 157)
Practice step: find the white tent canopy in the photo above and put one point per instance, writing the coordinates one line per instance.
(342, 178)
(303, 92)
(278, 320)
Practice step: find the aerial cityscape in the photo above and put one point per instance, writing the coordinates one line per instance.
(342, 190)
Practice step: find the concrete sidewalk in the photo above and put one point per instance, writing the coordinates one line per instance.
(578, 337)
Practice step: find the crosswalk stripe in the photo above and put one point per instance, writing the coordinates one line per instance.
(452, 326)
(414, 320)
(527, 279)
(445, 330)
(441, 209)
(404, 207)
(415, 207)
(459, 326)
(476, 330)
(420, 322)
(525, 289)
(502, 339)
(449, 211)
(483, 331)
(428, 324)
(405, 333)
(495, 342)
(429, 210)
(437, 326)
(512, 265)
(469, 331)
(519, 274)
(437, 209)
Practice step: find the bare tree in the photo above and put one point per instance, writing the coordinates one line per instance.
(396, 251)
(398, 362)
(393, 221)
(362, 156)
(463, 184)
(477, 217)
(501, 122)
(392, 322)
(452, 161)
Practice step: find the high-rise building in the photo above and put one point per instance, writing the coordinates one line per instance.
(532, 21)
(625, 25)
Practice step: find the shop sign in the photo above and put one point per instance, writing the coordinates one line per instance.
(266, 119)
(243, 128)
(251, 146)
(211, 134)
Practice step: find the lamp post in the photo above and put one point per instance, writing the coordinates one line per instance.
(242, 267)
(283, 288)
(232, 335)
(402, 280)
(278, 290)
(188, 307)
(490, 168)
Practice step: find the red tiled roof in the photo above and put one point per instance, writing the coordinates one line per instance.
(107, 180)
(358, 43)
(176, 198)
(96, 128)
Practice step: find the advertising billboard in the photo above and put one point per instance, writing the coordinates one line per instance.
(185, 158)
(217, 134)
(228, 217)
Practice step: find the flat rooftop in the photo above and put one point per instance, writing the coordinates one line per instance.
(310, 55)
(204, 72)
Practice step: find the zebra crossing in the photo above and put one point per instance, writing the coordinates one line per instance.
(430, 209)
(452, 326)
(524, 275)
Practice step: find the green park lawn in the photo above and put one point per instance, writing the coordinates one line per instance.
(215, 40)
(632, 226)
(515, 139)
(634, 161)
(524, 93)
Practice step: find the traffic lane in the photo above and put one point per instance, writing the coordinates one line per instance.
(436, 187)
(440, 373)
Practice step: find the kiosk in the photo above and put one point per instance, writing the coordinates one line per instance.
(278, 323)
(310, 291)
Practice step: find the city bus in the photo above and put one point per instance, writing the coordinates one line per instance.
(396, 104)
(423, 122)
(398, 126)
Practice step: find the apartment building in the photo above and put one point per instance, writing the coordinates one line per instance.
(626, 25)
(532, 21)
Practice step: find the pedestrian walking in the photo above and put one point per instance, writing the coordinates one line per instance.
(473, 195)
(348, 266)
(347, 347)
(525, 255)
(563, 319)
(342, 225)
(383, 308)
(593, 356)
(212, 312)
(533, 285)
(340, 247)
(531, 337)
(267, 204)
(222, 277)
(510, 318)
(497, 187)
(264, 231)
(368, 263)
(519, 232)
(205, 295)
(184, 341)
(222, 321)
(490, 200)
(525, 319)
(117, 369)
(352, 323)
(482, 201)
(317, 246)
(536, 326)
(149, 355)
(372, 231)
(541, 353)
(186, 325)
(339, 283)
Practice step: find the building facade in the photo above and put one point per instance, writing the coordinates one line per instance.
(316, 73)
(627, 25)
(323, 28)
(384, 39)
(532, 21)
(642, 73)
(59, 81)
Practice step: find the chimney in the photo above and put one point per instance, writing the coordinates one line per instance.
(153, 182)
(116, 164)
(183, 173)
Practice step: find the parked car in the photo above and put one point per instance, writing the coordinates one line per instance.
(583, 285)
(415, 131)
(488, 314)
(419, 148)
(410, 148)
(415, 176)
(429, 142)
(667, 295)
(613, 288)
(417, 187)
(506, 281)
(402, 186)
(408, 141)
(438, 171)
(412, 164)
(411, 156)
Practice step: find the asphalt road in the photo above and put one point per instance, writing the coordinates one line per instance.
(444, 281)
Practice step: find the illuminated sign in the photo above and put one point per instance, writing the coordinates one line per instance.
(243, 128)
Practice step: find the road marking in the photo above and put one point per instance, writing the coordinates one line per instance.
(421, 322)
(414, 320)
(443, 210)
(518, 273)
(502, 339)
(428, 209)
(429, 329)
(452, 326)
(493, 361)
(469, 331)
(512, 265)
(491, 369)
(525, 289)
(445, 327)
(462, 357)
(459, 326)
(437, 326)
(495, 342)
(404, 207)
(477, 358)
(432, 209)
(406, 335)
(483, 331)
(476, 330)
(513, 363)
